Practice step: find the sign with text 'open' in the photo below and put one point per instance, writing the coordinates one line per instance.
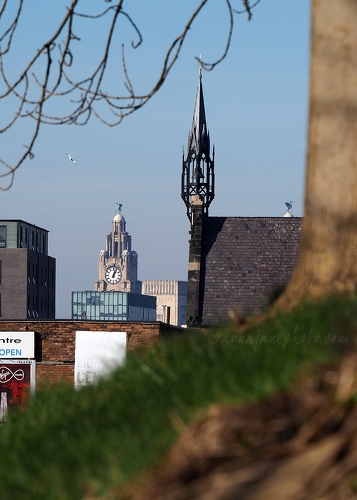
(17, 345)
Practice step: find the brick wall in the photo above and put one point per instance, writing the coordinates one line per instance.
(55, 342)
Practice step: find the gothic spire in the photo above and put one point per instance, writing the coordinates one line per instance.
(197, 180)
(198, 140)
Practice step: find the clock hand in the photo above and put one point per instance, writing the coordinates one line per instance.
(114, 273)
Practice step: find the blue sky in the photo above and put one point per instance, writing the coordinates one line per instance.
(256, 108)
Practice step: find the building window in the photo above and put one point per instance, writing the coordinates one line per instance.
(0, 271)
(2, 236)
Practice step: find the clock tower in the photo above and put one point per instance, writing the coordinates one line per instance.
(118, 263)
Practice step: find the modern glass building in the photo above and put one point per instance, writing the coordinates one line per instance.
(113, 306)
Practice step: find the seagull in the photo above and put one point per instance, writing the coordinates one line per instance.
(289, 205)
(70, 158)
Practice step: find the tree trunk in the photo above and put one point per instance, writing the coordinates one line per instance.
(327, 262)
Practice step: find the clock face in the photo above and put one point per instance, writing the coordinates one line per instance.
(113, 275)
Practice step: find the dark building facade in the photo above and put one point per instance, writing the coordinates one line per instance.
(27, 272)
(236, 264)
(246, 262)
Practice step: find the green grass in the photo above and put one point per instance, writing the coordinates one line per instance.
(70, 442)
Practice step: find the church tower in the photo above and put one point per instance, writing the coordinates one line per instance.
(197, 192)
(118, 263)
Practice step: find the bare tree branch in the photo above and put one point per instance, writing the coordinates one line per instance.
(41, 81)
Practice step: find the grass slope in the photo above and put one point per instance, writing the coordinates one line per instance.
(69, 444)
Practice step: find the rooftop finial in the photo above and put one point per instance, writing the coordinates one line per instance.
(200, 67)
(118, 207)
(289, 206)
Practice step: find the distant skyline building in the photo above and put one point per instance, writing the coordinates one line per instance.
(171, 298)
(27, 272)
(118, 295)
(117, 292)
(118, 263)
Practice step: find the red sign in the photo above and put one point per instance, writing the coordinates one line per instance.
(15, 382)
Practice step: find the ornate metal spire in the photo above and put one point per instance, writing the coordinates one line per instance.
(198, 141)
(198, 167)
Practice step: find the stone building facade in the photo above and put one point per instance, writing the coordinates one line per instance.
(171, 297)
(118, 263)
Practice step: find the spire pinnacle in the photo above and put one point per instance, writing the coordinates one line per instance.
(198, 141)
(197, 180)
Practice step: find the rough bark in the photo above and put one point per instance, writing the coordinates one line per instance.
(327, 262)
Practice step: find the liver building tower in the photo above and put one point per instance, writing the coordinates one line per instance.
(118, 263)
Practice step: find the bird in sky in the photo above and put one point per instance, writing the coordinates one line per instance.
(70, 158)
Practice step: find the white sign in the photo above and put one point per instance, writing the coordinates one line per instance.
(14, 345)
(96, 354)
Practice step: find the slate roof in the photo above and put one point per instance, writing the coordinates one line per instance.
(246, 261)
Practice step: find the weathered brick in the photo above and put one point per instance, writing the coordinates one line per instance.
(55, 342)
